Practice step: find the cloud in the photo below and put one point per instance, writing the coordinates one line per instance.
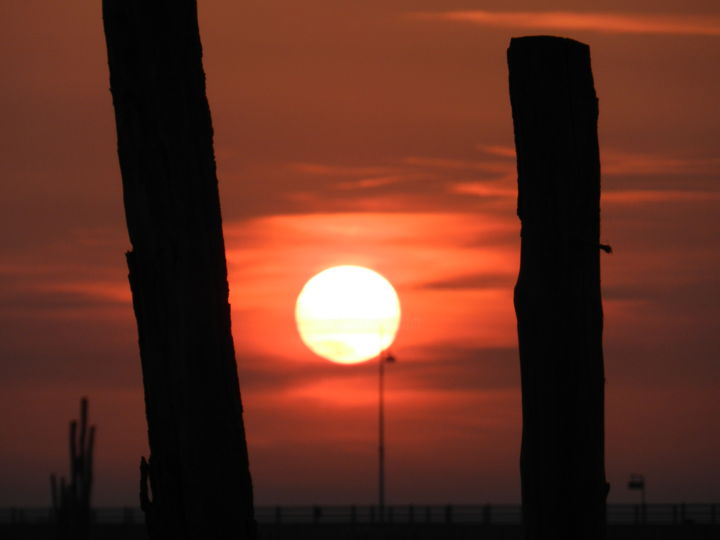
(618, 162)
(473, 281)
(75, 297)
(270, 259)
(614, 161)
(497, 150)
(324, 169)
(414, 183)
(455, 164)
(616, 23)
(427, 178)
(485, 189)
(371, 182)
(644, 176)
(658, 196)
(448, 367)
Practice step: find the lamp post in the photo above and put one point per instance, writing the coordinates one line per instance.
(637, 481)
(384, 357)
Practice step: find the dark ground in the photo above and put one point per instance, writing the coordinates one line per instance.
(373, 532)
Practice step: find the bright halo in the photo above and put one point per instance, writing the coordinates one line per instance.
(348, 314)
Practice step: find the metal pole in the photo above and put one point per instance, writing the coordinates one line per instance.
(381, 437)
(643, 505)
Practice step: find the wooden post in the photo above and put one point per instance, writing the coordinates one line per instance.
(557, 295)
(198, 471)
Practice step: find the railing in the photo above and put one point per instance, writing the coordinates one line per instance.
(502, 514)
(393, 514)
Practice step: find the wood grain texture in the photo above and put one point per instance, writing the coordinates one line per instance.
(557, 296)
(198, 470)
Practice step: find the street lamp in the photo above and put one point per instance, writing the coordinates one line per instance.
(383, 358)
(637, 481)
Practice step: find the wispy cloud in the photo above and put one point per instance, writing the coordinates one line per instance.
(270, 259)
(323, 169)
(617, 23)
(421, 183)
(453, 164)
(497, 150)
(618, 162)
(349, 177)
(485, 189)
(642, 178)
(658, 196)
(371, 182)
(473, 281)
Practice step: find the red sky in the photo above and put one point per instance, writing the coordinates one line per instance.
(374, 133)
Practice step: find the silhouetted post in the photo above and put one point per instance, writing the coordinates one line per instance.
(557, 295)
(198, 471)
(381, 437)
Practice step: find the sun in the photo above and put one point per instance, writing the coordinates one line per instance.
(348, 314)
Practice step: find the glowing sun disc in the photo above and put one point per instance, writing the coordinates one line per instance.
(347, 314)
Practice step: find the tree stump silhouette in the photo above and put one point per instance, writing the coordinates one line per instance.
(557, 296)
(198, 471)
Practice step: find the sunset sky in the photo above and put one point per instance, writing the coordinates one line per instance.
(375, 133)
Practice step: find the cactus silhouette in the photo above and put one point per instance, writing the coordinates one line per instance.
(71, 499)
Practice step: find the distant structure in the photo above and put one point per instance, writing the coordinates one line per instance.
(557, 296)
(71, 498)
(637, 482)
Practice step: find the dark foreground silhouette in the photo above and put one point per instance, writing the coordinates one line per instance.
(557, 295)
(196, 484)
(490, 522)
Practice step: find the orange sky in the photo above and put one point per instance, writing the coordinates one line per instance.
(375, 133)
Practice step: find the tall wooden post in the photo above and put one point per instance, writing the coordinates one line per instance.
(557, 295)
(198, 470)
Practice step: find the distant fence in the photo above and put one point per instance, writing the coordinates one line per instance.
(488, 514)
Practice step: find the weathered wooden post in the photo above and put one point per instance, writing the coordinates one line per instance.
(198, 471)
(557, 295)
